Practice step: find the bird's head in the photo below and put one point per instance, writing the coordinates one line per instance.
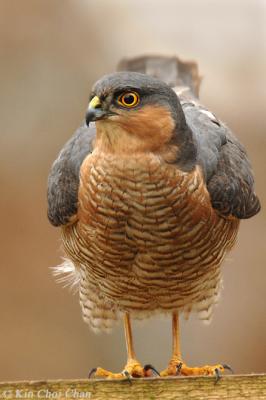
(134, 112)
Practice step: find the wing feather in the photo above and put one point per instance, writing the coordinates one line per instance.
(63, 180)
(227, 170)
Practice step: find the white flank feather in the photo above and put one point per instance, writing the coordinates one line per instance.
(67, 275)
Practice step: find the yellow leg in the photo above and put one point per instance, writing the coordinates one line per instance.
(176, 365)
(133, 368)
(176, 359)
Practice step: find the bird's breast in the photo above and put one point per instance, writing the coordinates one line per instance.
(141, 195)
(147, 230)
(144, 203)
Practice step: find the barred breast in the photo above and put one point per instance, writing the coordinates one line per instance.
(146, 239)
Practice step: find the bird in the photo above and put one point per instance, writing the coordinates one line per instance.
(149, 193)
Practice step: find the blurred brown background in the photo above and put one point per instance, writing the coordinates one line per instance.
(51, 51)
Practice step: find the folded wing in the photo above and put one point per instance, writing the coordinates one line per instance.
(63, 180)
(227, 170)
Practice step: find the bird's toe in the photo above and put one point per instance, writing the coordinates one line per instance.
(177, 367)
(133, 369)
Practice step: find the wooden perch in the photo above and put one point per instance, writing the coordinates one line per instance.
(229, 387)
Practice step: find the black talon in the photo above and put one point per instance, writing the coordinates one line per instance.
(228, 367)
(127, 376)
(178, 368)
(92, 371)
(217, 375)
(147, 367)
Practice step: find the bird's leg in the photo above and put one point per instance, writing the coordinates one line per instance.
(133, 368)
(176, 360)
(176, 365)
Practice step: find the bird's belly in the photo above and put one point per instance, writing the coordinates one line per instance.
(147, 235)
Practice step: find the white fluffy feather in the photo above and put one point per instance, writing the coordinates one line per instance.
(67, 274)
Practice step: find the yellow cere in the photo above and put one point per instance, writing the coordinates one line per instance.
(95, 102)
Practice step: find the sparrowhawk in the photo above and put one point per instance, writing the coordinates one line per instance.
(149, 193)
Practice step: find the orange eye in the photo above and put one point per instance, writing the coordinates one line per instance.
(128, 99)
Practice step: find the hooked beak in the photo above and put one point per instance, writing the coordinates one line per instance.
(95, 112)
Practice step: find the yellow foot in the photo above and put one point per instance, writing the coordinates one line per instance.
(133, 369)
(177, 367)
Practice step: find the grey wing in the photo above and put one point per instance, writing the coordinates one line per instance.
(63, 180)
(227, 170)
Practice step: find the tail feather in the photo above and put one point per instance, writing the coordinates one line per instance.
(176, 73)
